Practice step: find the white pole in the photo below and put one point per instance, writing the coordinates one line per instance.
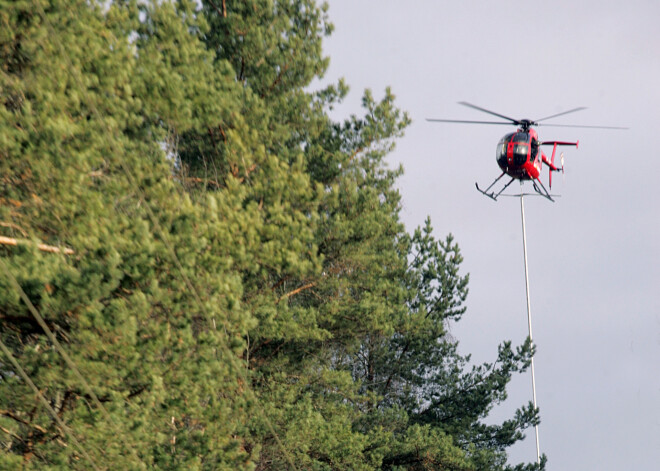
(529, 320)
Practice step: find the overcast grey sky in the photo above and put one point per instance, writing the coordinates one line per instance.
(594, 254)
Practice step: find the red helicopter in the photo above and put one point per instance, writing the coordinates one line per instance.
(519, 153)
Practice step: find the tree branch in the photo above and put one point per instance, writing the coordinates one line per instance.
(43, 247)
(12, 416)
(222, 13)
(296, 291)
(11, 225)
(10, 433)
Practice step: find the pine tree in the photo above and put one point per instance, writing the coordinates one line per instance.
(84, 168)
(231, 280)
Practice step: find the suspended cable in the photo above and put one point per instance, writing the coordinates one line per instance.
(529, 321)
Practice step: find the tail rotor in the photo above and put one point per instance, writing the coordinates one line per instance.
(552, 167)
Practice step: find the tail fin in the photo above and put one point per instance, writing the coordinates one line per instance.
(554, 145)
(552, 165)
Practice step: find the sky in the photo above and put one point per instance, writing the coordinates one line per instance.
(594, 254)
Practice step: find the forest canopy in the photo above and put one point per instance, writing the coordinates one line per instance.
(201, 269)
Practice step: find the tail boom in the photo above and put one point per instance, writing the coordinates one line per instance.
(551, 163)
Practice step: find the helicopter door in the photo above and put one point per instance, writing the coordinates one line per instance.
(502, 152)
(535, 149)
(520, 148)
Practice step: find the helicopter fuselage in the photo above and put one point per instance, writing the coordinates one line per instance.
(519, 155)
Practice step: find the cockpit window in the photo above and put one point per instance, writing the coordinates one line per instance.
(535, 148)
(501, 149)
(520, 154)
(521, 137)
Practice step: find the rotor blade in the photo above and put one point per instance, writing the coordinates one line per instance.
(470, 105)
(561, 114)
(467, 122)
(580, 126)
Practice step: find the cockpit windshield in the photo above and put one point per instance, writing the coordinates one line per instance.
(521, 137)
(513, 150)
(520, 154)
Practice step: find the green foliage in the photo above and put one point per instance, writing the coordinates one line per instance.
(241, 292)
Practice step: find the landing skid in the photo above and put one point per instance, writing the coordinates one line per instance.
(492, 195)
(536, 183)
(541, 191)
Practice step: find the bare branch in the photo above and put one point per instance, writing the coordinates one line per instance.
(43, 247)
(13, 416)
(296, 291)
(13, 226)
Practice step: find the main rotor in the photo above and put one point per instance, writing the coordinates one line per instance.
(524, 124)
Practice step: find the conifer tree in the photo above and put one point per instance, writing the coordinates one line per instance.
(231, 284)
(83, 168)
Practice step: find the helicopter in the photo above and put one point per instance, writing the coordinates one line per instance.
(519, 154)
